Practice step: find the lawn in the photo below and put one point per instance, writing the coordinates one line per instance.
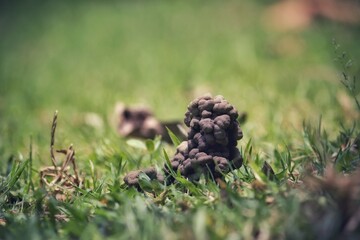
(82, 58)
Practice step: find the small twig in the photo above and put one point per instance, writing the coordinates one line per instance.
(63, 151)
(72, 160)
(70, 153)
(75, 170)
(69, 156)
(59, 174)
(52, 142)
(31, 184)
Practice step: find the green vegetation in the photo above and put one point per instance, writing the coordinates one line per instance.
(80, 59)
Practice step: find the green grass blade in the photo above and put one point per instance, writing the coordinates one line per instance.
(175, 140)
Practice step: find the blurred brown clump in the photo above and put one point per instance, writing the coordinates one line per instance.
(337, 217)
(299, 14)
(140, 122)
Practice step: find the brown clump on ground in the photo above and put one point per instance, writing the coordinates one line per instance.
(140, 122)
(343, 191)
(211, 142)
(299, 14)
(132, 178)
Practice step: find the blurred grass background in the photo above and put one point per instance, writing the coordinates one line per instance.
(82, 57)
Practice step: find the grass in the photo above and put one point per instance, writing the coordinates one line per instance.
(80, 59)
